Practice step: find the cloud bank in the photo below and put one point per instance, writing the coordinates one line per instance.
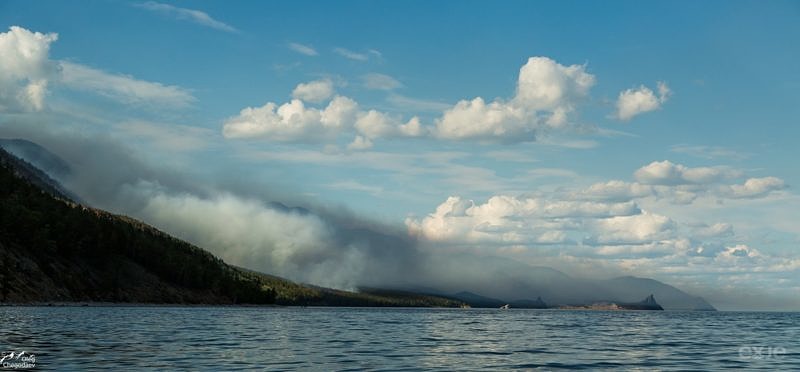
(547, 97)
(606, 225)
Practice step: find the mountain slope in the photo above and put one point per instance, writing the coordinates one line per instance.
(476, 300)
(629, 288)
(504, 280)
(31, 173)
(37, 156)
(74, 253)
(53, 249)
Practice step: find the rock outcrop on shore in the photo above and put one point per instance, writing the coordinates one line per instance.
(648, 303)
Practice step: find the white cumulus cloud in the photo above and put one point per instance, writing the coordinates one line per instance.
(509, 219)
(755, 188)
(546, 101)
(25, 69)
(360, 143)
(26, 72)
(641, 228)
(290, 122)
(632, 102)
(295, 122)
(547, 92)
(314, 91)
(668, 173)
(616, 190)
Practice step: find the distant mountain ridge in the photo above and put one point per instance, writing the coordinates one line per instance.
(31, 172)
(505, 280)
(37, 156)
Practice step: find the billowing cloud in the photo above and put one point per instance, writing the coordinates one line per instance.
(26, 72)
(560, 227)
(241, 231)
(378, 81)
(295, 122)
(632, 102)
(755, 187)
(123, 88)
(616, 190)
(303, 49)
(292, 121)
(25, 69)
(642, 228)
(737, 254)
(605, 215)
(360, 143)
(680, 184)
(314, 91)
(245, 222)
(476, 119)
(544, 84)
(185, 14)
(547, 92)
(668, 173)
(553, 228)
(340, 113)
(375, 124)
(508, 219)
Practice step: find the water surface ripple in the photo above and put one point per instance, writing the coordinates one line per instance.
(248, 338)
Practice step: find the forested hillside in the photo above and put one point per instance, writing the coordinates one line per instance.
(55, 250)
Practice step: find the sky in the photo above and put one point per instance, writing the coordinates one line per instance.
(600, 138)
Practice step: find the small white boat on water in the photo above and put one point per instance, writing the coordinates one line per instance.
(505, 307)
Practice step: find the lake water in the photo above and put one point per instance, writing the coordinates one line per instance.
(228, 338)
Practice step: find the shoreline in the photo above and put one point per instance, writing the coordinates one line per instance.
(127, 304)
(185, 305)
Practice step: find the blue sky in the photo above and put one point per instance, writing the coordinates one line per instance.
(647, 138)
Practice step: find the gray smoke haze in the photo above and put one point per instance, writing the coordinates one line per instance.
(254, 226)
(258, 227)
(245, 224)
